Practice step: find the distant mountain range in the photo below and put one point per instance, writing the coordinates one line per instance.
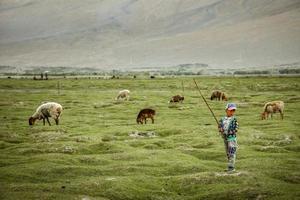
(141, 34)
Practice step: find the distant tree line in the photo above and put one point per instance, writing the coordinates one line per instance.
(258, 72)
(180, 70)
(289, 71)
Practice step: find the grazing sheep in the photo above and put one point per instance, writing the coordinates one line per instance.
(218, 95)
(144, 114)
(46, 110)
(177, 98)
(272, 107)
(123, 94)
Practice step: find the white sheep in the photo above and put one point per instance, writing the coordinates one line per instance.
(123, 94)
(46, 110)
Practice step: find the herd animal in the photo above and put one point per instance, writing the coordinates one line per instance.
(54, 110)
(46, 111)
(123, 94)
(144, 114)
(176, 98)
(219, 95)
(272, 107)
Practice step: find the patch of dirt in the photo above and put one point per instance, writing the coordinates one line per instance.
(49, 136)
(145, 134)
(102, 105)
(68, 149)
(272, 149)
(229, 174)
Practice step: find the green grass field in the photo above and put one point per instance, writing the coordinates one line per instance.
(91, 154)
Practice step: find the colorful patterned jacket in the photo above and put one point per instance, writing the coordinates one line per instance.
(230, 133)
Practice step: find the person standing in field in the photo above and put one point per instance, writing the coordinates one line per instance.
(228, 127)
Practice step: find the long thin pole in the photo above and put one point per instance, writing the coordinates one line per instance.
(58, 88)
(206, 102)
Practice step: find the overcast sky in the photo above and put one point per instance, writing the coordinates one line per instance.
(144, 33)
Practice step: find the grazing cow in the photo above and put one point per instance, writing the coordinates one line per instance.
(177, 98)
(123, 94)
(218, 95)
(144, 114)
(272, 107)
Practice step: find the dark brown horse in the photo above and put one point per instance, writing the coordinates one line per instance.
(144, 114)
(177, 98)
(218, 95)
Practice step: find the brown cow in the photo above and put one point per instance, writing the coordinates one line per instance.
(218, 95)
(272, 107)
(177, 98)
(144, 114)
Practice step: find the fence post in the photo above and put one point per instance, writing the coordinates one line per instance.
(58, 88)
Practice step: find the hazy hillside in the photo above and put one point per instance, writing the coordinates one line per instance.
(143, 33)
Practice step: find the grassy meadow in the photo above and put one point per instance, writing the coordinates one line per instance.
(95, 152)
